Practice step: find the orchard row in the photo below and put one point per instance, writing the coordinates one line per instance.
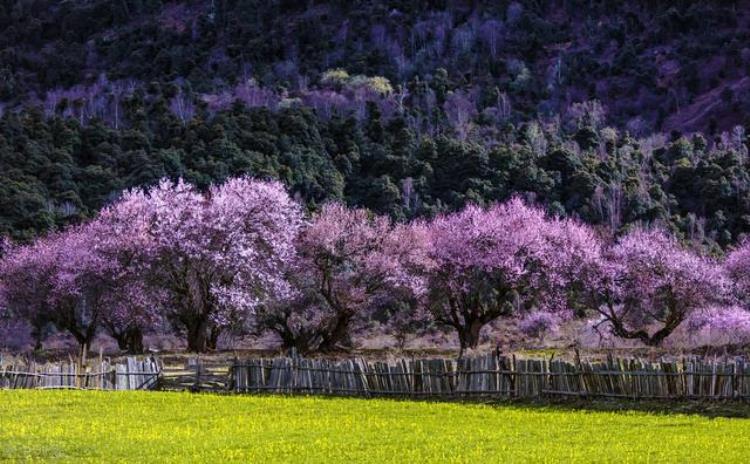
(245, 256)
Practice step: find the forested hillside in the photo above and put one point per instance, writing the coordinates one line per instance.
(618, 113)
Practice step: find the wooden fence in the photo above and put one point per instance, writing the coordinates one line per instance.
(132, 374)
(496, 376)
(196, 374)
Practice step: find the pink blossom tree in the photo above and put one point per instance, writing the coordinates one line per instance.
(718, 325)
(738, 268)
(647, 284)
(483, 264)
(59, 279)
(215, 257)
(26, 275)
(121, 234)
(81, 283)
(346, 263)
(15, 333)
(203, 260)
(130, 311)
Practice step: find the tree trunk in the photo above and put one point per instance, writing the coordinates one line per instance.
(134, 340)
(302, 346)
(39, 330)
(121, 339)
(468, 335)
(197, 335)
(302, 341)
(618, 328)
(37, 333)
(84, 340)
(337, 336)
(659, 336)
(130, 339)
(83, 351)
(213, 337)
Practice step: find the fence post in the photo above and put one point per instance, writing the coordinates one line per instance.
(197, 384)
(548, 377)
(579, 373)
(231, 382)
(735, 380)
(80, 368)
(741, 378)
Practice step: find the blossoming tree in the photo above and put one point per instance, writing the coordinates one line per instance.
(26, 276)
(346, 264)
(738, 268)
(120, 234)
(482, 264)
(212, 258)
(60, 279)
(647, 284)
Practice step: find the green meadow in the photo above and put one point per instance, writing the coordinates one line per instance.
(77, 426)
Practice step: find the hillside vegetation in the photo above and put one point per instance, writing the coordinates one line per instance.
(616, 113)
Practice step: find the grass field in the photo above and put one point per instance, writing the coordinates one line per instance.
(74, 426)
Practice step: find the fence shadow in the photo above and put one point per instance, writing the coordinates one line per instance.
(706, 408)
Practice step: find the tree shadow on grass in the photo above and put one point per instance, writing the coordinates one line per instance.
(707, 408)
